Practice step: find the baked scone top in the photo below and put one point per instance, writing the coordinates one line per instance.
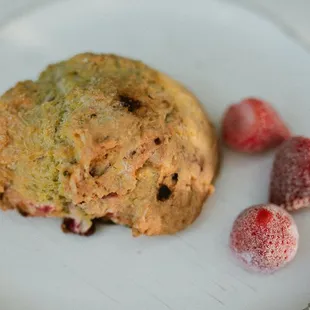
(102, 135)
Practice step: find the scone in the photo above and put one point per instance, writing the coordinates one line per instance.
(106, 137)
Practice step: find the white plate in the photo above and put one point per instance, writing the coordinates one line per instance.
(222, 53)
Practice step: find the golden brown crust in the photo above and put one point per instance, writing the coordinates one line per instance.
(104, 136)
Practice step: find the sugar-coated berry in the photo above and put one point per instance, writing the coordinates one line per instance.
(290, 178)
(264, 238)
(252, 125)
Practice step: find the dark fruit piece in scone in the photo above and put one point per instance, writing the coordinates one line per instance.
(157, 141)
(164, 192)
(131, 104)
(290, 177)
(175, 177)
(264, 238)
(252, 125)
(75, 226)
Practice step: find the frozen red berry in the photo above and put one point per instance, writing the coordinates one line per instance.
(252, 125)
(264, 238)
(290, 177)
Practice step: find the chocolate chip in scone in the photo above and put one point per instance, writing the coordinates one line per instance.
(175, 177)
(157, 141)
(129, 103)
(93, 115)
(164, 192)
(1, 196)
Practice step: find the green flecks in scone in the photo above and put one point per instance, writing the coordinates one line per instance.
(100, 136)
(36, 175)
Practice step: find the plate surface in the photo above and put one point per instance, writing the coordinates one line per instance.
(222, 53)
